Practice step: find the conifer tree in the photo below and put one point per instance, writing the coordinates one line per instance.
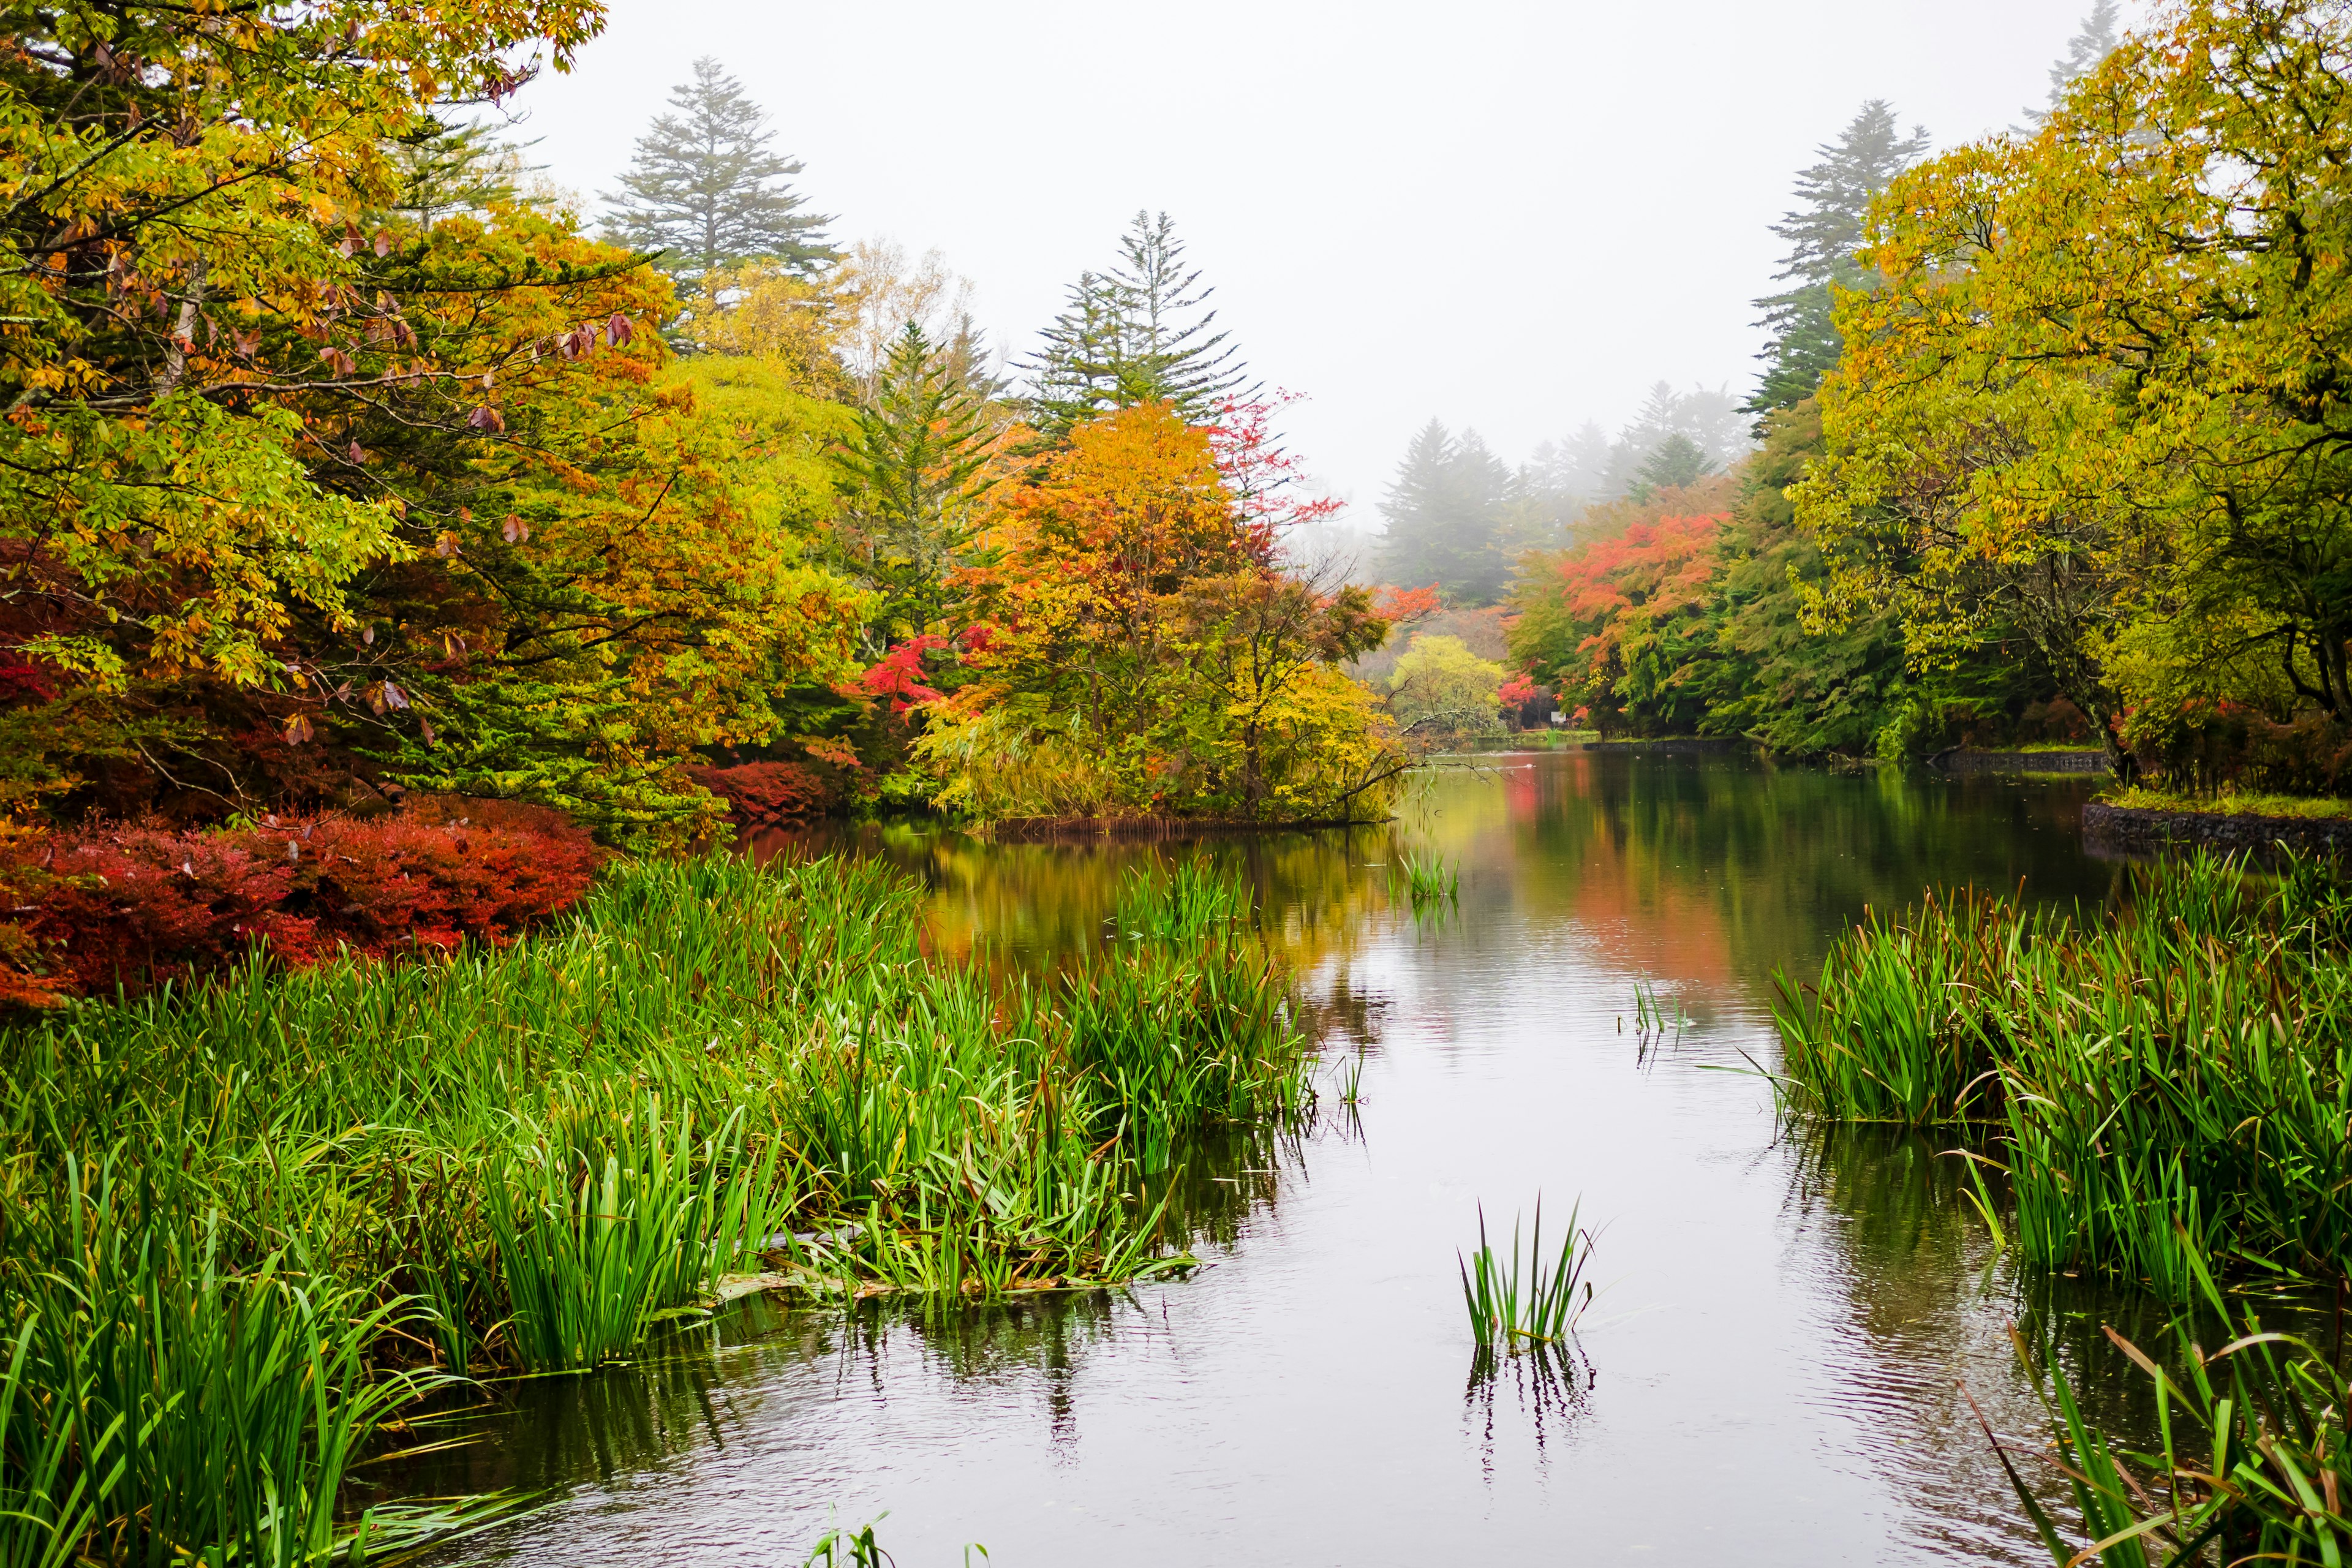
(1135, 334)
(705, 189)
(2092, 44)
(1672, 463)
(1446, 511)
(1824, 233)
(912, 475)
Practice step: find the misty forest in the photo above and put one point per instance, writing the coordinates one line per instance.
(665, 901)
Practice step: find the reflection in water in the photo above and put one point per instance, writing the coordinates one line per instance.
(1773, 1374)
(1541, 1391)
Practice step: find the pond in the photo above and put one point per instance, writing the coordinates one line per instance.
(1770, 1374)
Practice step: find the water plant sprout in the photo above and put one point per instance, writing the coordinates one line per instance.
(1528, 1300)
(1429, 879)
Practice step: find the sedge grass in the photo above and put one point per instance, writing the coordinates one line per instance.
(1183, 904)
(243, 1225)
(1525, 1300)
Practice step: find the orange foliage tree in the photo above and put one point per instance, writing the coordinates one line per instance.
(1618, 626)
(1136, 651)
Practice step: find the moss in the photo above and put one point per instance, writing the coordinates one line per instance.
(2228, 803)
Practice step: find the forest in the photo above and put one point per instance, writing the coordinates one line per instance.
(1997, 484)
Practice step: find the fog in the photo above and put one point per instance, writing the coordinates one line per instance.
(1514, 217)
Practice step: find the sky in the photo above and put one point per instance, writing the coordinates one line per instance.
(1509, 217)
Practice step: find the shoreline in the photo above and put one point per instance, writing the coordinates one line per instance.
(2136, 828)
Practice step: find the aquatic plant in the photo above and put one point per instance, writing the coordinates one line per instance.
(1527, 1300)
(2253, 1462)
(241, 1224)
(2176, 1075)
(1183, 904)
(1429, 879)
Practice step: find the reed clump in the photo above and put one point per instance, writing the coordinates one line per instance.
(2170, 1082)
(2252, 1459)
(243, 1225)
(1430, 880)
(1185, 902)
(1525, 1300)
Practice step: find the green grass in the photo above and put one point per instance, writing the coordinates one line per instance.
(2167, 1083)
(1523, 1300)
(2228, 803)
(240, 1227)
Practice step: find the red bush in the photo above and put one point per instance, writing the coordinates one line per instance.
(137, 905)
(767, 794)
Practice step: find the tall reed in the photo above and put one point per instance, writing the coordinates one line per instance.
(2172, 1081)
(2253, 1461)
(240, 1226)
(1521, 1301)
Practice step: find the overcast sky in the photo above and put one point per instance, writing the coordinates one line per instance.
(1515, 216)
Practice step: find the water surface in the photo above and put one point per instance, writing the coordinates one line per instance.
(1771, 1373)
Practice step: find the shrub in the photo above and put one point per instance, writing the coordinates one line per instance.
(137, 905)
(767, 794)
(2205, 745)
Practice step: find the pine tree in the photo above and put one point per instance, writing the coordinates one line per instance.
(704, 190)
(1675, 462)
(1446, 512)
(2097, 38)
(1135, 334)
(911, 478)
(1824, 233)
(456, 169)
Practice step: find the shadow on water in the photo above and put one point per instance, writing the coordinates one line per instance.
(1787, 1323)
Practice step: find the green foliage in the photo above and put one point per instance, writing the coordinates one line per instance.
(912, 482)
(245, 1223)
(1526, 1302)
(1441, 684)
(1798, 691)
(2167, 1084)
(704, 189)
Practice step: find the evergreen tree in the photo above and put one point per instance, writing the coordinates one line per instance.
(1135, 334)
(451, 169)
(1447, 513)
(1824, 233)
(1675, 462)
(2093, 43)
(911, 478)
(706, 191)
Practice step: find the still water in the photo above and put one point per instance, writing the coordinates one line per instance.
(1770, 1375)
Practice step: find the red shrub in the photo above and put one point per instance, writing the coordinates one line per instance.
(139, 905)
(767, 794)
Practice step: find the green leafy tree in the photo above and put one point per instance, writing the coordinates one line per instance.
(706, 190)
(1138, 333)
(1439, 684)
(1825, 232)
(1796, 692)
